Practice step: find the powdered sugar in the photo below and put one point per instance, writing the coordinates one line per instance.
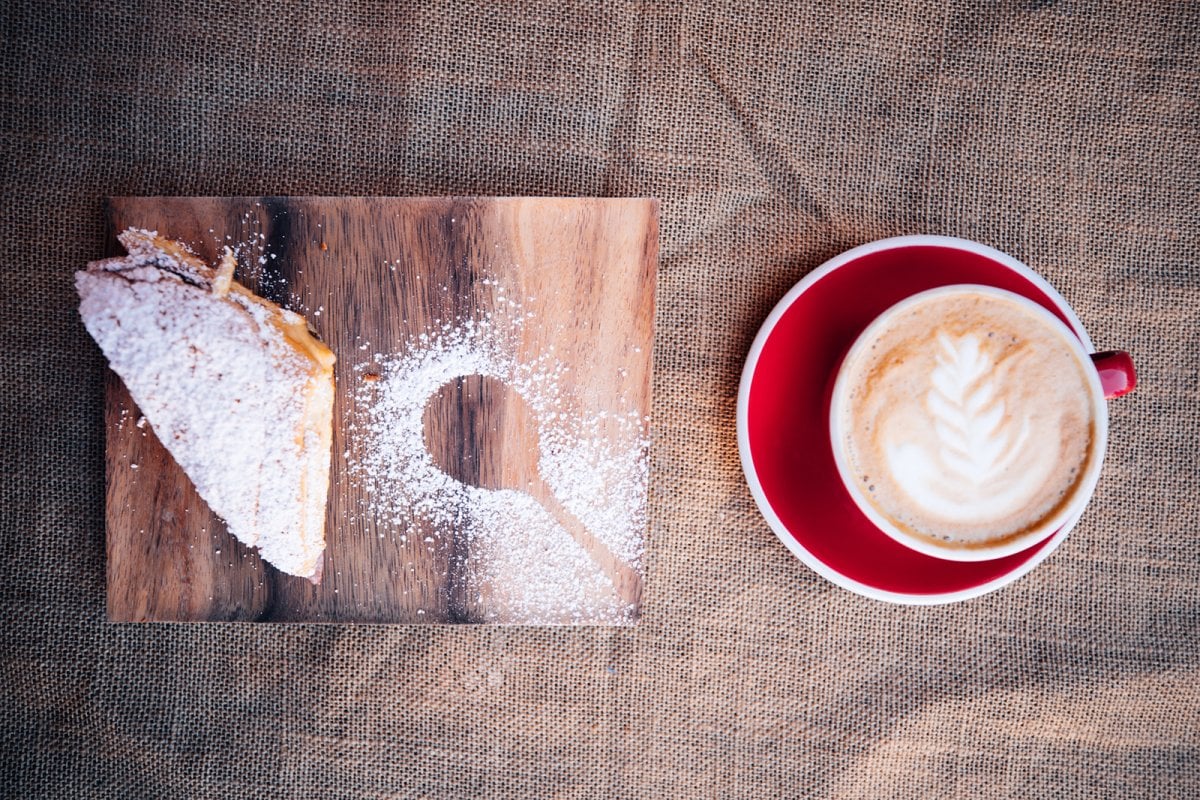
(520, 565)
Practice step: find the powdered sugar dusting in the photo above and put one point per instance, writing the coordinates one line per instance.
(521, 565)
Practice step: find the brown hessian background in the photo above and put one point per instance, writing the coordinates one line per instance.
(776, 135)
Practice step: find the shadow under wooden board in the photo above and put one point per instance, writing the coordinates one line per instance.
(490, 441)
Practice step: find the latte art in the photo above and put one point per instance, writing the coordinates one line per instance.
(969, 419)
(979, 462)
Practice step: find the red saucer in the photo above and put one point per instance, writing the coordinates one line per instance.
(783, 415)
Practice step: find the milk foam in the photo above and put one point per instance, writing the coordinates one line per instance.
(970, 420)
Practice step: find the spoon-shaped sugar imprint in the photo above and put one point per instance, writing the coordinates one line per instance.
(480, 431)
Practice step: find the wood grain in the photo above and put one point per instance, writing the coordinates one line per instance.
(381, 271)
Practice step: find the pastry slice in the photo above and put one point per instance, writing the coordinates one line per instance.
(236, 388)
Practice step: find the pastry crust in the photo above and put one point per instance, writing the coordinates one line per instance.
(238, 390)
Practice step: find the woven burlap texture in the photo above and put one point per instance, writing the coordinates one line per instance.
(776, 135)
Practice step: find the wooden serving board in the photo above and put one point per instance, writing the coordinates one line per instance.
(372, 275)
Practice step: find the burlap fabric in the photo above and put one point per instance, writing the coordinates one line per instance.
(776, 136)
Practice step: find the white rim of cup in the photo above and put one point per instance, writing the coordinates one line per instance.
(1089, 479)
(743, 435)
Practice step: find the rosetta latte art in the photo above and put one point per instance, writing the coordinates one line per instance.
(978, 463)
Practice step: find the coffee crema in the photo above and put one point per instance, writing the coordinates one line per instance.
(966, 419)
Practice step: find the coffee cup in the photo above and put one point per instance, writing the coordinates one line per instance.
(969, 423)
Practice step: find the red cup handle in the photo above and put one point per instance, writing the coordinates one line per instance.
(1117, 375)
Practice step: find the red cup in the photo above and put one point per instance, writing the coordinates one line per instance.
(783, 415)
(1096, 399)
